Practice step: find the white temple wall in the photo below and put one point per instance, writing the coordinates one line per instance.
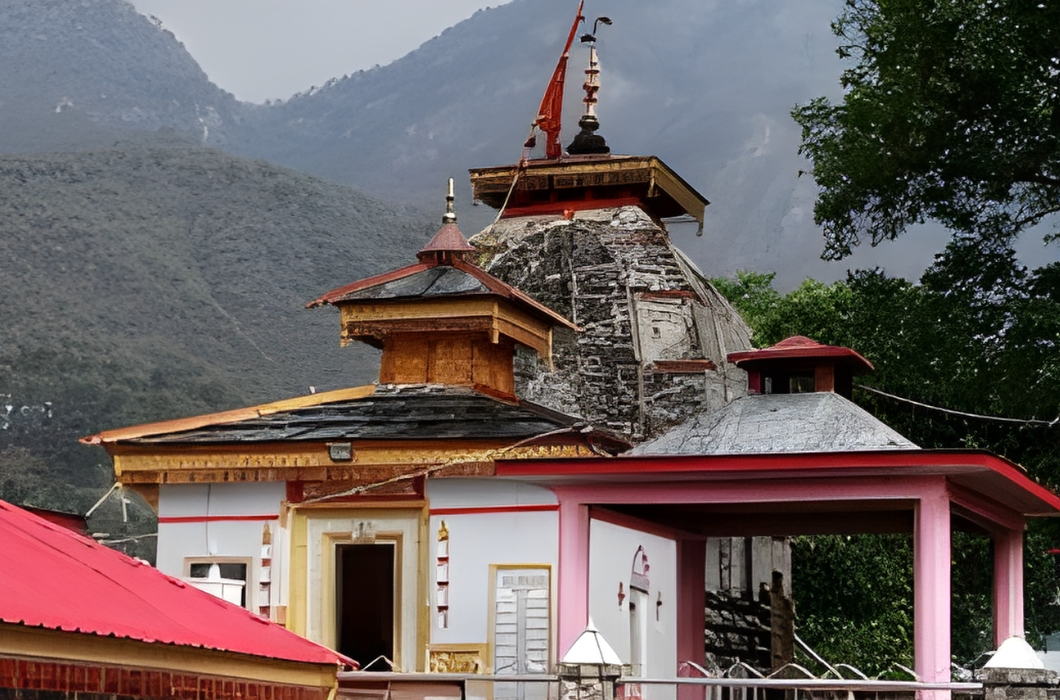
(201, 523)
(496, 588)
(612, 550)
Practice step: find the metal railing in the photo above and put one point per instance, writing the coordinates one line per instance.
(408, 686)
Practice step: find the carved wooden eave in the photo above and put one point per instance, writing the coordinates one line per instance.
(373, 322)
(578, 182)
(371, 461)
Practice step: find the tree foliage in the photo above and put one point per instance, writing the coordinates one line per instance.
(951, 112)
(979, 334)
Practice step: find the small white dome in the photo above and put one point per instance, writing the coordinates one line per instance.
(1014, 652)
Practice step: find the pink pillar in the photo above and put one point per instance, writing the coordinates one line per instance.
(931, 587)
(691, 614)
(1008, 585)
(573, 595)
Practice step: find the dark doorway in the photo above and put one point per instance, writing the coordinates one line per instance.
(364, 603)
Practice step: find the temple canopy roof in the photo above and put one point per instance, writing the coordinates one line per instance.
(775, 423)
(390, 412)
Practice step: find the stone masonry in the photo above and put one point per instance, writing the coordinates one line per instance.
(654, 332)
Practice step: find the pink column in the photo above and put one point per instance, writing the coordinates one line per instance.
(1008, 585)
(931, 587)
(573, 595)
(691, 614)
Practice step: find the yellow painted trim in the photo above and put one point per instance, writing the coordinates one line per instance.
(373, 462)
(298, 583)
(300, 586)
(16, 640)
(490, 183)
(419, 309)
(329, 595)
(342, 508)
(477, 650)
(671, 184)
(423, 592)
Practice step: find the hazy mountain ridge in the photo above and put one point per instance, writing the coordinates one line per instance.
(74, 73)
(707, 86)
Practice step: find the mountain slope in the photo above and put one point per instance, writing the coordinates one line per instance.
(151, 281)
(707, 86)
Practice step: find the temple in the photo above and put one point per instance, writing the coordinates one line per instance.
(570, 424)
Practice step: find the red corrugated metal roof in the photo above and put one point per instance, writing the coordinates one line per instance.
(55, 579)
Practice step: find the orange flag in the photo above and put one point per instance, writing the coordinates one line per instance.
(550, 114)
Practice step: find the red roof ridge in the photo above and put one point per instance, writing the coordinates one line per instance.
(800, 346)
(338, 293)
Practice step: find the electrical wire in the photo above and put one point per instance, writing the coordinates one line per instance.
(950, 411)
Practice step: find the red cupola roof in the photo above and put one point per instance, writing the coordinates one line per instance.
(798, 365)
(799, 346)
(449, 243)
(449, 240)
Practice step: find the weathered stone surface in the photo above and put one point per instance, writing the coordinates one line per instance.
(765, 423)
(638, 301)
(1019, 684)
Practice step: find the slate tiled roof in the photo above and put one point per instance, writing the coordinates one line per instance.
(55, 579)
(435, 279)
(773, 423)
(392, 412)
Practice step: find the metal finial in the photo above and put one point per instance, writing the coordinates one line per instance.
(449, 217)
(587, 141)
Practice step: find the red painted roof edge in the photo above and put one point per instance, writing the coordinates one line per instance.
(367, 282)
(503, 289)
(780, 353)
(794, 461)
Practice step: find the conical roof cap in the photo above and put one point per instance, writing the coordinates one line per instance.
(449, 239)
(591, 648)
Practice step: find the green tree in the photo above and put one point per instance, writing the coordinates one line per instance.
(979, 334)
(951, 112)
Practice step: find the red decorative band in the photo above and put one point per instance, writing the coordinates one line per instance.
(477, 510)
(213, 518)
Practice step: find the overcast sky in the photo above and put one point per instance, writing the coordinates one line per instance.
(261, 49)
